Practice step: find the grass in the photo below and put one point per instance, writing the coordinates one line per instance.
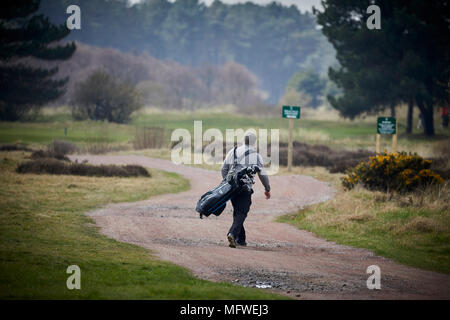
(334, 132)
(43, 230)
(77, 131)
(411, 229)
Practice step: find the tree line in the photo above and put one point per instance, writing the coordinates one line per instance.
(272, 41)
(406, 61)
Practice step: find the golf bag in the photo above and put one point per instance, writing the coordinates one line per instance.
(215, 200)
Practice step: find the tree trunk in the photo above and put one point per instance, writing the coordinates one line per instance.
(392, 110)
(409, 119)
(427, 112)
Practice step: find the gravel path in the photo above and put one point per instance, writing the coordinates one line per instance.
(279, 257)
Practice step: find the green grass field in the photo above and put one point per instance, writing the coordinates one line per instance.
(337, 133)
(43, 230)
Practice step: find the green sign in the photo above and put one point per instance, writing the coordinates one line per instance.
(386, 125)
(291, 112)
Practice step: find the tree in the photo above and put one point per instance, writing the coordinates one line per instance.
(103, 97)
(272, 41)
(406, 60)
(310, 83)
(23, 87)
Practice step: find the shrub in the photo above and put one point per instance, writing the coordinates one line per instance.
(41, 154)
(149, 138)
(54, 166)
(320, 155)
(400, 172)
(103, 97)
(62, 147)
(14, 147)
(104, 147)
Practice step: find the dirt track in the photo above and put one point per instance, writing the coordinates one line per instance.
(290, 261)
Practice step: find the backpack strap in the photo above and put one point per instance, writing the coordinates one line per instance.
(246, 154)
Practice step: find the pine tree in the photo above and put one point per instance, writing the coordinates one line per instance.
(406, 60)
(23, 35)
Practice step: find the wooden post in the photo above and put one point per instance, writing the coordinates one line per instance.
(291, 124)
(378, 147)
(394, 139)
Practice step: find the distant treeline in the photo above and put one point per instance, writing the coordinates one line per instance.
(162, 83)
(272, 41)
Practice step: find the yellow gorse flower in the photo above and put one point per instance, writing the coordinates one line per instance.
(392, 171)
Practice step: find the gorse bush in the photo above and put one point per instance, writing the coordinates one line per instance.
(400, 172)
(104, 97)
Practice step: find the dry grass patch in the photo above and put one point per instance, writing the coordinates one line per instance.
(413, 229)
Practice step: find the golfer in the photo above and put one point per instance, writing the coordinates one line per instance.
(246, 155)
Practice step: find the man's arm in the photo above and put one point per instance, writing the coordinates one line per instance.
(226, 164)
(263, 175)
(225, 169)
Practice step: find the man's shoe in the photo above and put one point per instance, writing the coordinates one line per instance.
(231, 241)
(243, 244)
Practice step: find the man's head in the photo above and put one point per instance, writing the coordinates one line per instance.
(250, 138)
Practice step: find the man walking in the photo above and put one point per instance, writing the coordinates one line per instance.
(246, 155)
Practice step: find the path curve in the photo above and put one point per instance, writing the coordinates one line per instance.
(289, 260)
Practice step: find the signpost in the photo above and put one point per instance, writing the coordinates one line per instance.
(387, 125)
(290, 112)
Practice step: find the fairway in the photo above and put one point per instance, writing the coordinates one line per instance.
(337, 133)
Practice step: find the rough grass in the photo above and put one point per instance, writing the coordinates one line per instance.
(412, 229)
(43, 230)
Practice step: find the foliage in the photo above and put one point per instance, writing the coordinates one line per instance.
(151, 138)
(165, 84)
(24, 88)
(400, 172)
(103, 97)
(13, 147)
(271, 41)
(406, 60)
(309, 82)
(55, 166)
(336, 160)
(62, 147)
(45, 154)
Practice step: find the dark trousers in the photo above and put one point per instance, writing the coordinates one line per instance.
(241, 206)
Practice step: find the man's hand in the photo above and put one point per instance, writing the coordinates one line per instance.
(267, 193)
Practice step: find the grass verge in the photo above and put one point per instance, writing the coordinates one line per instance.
(43, 230)
(410, 229)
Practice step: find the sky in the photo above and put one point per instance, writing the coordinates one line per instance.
(303, 5)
